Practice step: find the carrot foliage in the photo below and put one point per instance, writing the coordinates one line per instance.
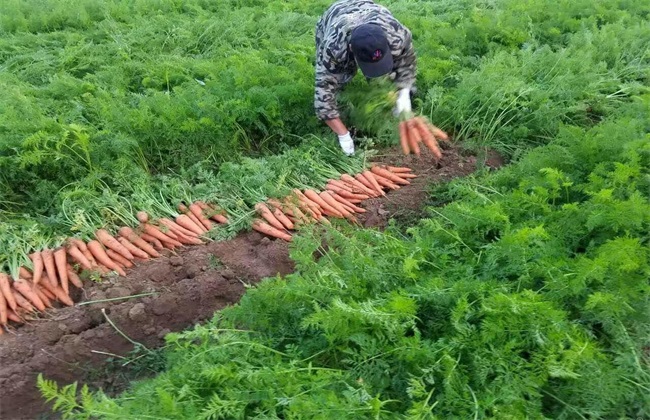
(526, 295)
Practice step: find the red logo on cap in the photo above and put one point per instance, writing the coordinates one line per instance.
(376, 55)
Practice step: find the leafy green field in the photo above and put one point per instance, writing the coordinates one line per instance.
(526, 296)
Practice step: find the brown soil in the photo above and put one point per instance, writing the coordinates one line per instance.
(408, 202)
(73, 344)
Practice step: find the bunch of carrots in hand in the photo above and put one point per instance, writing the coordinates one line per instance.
(339, 199)
(416, 130)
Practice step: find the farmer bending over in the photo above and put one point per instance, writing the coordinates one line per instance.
(363, 34)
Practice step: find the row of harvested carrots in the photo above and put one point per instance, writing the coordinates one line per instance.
(339, 199)
(53, 269)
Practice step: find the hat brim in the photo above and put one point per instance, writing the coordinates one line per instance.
(377, 68)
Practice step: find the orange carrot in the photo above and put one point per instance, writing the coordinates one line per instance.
(219, 218)
(78, 243)
(428, 138)
(279, 214)
(404, 175)
(157, 245)
(25, 289)
(128, 234)
(13, 316)
(403, 138)
(263, 210)
(98, 251)
(154, 231)
(267, 229)
(24, 273)
(76, 254)
(414, 137)
(174, 230)
(46, 301)
(438, 133)
(310, 206)
(347, 194)
(89, 257)
(386, 183)
(198, 213)
(22, 302)
(60, 261)
(119, 259)
(312, 195)
(301, 218)
(399, 169)
(188, 240)
(184, 210)
(60, 295)
(362, 179)
(214, 213)
(50, 267)
(74, 278)
(142, 216)
(37, 261)
(294, 210)
(110, 242)
(343, 203)
(327, 197)
(309, 210)
(371, 178)
(4, 310)
(184, 221)
(134, 250)
(299, 204)
(351, 205)
(341, 184)
(389, 175)
(5, 288)
(46, 291)
(364, 190)
(313, 205)
(182, 235)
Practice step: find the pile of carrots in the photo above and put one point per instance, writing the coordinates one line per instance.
(54, 269)
(339, 200)
(418, 130)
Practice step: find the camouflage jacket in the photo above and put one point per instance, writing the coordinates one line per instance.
(335, 65)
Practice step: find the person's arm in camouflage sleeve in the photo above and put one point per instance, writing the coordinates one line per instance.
(405, 65)
(405, 73)
(329, 80)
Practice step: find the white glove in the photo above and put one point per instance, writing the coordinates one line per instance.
(403, 102)
(346, 143)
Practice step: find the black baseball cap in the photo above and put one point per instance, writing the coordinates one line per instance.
(371, 50)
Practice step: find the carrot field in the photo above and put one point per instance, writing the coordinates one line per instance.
(171, 208)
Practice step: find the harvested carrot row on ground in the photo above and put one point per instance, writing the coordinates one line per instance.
(51, 270)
